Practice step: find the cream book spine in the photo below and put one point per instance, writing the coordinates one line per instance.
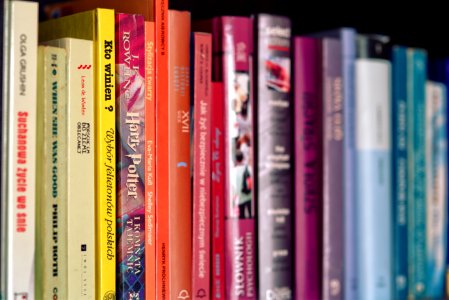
(51, 171)
(20, 164)
(80, 165)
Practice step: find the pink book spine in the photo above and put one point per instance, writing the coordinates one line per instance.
(202, 98)
(218, 192)
(308, 167)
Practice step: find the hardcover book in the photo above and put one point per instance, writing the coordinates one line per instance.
(80, 167)
(130, 103)
(51, 167)
(333, 170)
(98, 26)
(274, 157)
(308, 167)
(373, 136)
(19, 173)
(201, 100)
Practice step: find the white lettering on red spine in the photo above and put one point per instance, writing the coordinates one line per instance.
(21, 172)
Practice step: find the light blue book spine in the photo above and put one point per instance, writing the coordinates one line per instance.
(436, 169)
(416, 79)
(400, 174)
(373, 144)
(348, 39)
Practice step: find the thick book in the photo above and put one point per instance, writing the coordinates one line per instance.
(436, 198)
(416, 108)
(80, 167)
(308, 194)
(150, 164)
(400, 167)
(201, 100)
(19, 157)
(333, 170)
(217, 192)
(98, 26)
(347, 37)
(130, 116)
(51, 174)
(274, 156)
(373, 154)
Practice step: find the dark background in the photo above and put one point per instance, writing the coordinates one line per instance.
(417, 24)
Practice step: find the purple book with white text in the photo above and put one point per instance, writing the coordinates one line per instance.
(308, 182)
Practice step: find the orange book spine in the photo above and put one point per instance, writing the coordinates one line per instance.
(162, 151)
(180, 203)
(150, 178)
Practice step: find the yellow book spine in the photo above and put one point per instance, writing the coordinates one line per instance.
(105, 154)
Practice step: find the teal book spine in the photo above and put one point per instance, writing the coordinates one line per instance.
(416, 102)
(399, 173)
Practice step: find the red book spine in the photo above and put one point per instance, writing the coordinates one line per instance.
(161, 32)
(218, 192)
(150, 162)
(202, 98)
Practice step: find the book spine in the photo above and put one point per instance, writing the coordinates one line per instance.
(130, 117)
(20, 163)
(218, 192)
(436, 175)
(400, 172)
(348, 40)
(332, 170)
(105, 155)
(51, 199)
(80, 165)
(240, 255)
(180, 227)
(373, 129)
(274, 157)
(416, 77)
(163, 260)
(308, 167)
(202, 102)
(150, 162)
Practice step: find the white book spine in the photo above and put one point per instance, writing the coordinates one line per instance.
(80, 163)
(21, 151)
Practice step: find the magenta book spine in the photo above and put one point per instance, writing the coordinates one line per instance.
(308, 167)
(130, 86)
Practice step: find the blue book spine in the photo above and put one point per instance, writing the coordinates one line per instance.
(436, 152)
(400, 171)
(416, 78)
(348, 40)
(373, 144)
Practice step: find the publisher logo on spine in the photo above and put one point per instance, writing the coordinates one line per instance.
(109, 296)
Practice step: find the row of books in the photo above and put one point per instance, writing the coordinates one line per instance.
(145, 156)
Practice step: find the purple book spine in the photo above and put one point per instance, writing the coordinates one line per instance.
(308, 167)
(274, 157)
(332, 170)
(240, 252)
(130, 86)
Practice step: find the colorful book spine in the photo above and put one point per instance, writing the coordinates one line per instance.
(373, 136)
(436, 176)
(80, 166)
(51, 167)
(150, 163)
(130, 92)
(163, 260)
(333, 170)
(308, 167)
(416, 77)
(202, 102)
(218, 192)
(274, 157)
(178, 123)
(400, 172)
(19, 181)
